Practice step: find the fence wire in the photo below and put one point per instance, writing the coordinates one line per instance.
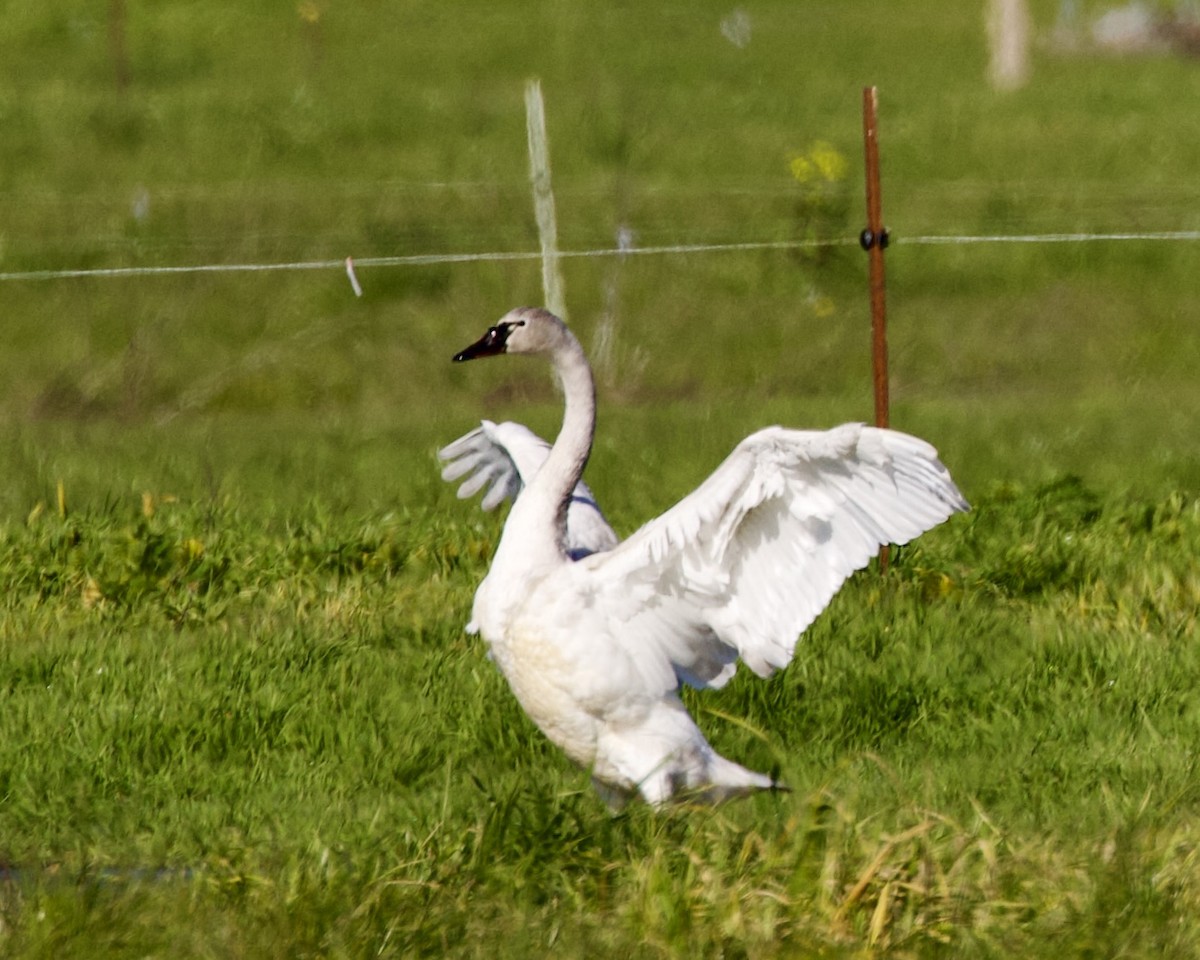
(623, 250)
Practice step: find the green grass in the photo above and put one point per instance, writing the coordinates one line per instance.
(281, 738)
(240, 715)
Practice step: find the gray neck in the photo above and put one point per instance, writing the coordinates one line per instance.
(542, 506)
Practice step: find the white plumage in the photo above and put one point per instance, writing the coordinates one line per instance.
(503, 457)
(595, 636)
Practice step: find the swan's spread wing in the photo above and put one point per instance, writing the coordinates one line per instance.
(504, 457)
(742, 566)
(493, 456)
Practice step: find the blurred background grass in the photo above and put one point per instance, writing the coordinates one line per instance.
(281, 132)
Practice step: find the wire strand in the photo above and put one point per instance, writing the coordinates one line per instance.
(1180, 235)
(425, 259)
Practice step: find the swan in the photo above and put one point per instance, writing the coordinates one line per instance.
(595, 648)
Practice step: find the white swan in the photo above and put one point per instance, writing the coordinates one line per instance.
(595, 650)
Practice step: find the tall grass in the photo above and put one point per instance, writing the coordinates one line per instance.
(282, 740)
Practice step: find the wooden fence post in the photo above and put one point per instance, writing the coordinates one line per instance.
(874, 240)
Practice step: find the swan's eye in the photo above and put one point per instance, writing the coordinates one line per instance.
(499, 334)
(494, 341)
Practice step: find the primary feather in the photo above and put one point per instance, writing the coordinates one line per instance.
(595, 650)
(503, 457)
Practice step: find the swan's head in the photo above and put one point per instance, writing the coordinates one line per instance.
(523, 330)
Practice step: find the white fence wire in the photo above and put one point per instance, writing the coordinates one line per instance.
(620, 251)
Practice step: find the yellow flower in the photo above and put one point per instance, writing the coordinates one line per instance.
(309, 11)
(802, 168)
(827, 160)
(821, 161)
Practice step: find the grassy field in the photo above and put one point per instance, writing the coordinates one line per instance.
(240, 714)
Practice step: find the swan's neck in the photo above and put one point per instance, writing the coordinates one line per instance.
(541, 511)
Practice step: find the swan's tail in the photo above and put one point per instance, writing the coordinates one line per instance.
(709, 778)
(727, 780)
(666, 759)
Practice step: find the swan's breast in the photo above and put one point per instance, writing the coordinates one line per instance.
(557, 649)
(539, 672)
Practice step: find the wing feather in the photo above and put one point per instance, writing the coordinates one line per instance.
(744, 564)
(503, 457)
